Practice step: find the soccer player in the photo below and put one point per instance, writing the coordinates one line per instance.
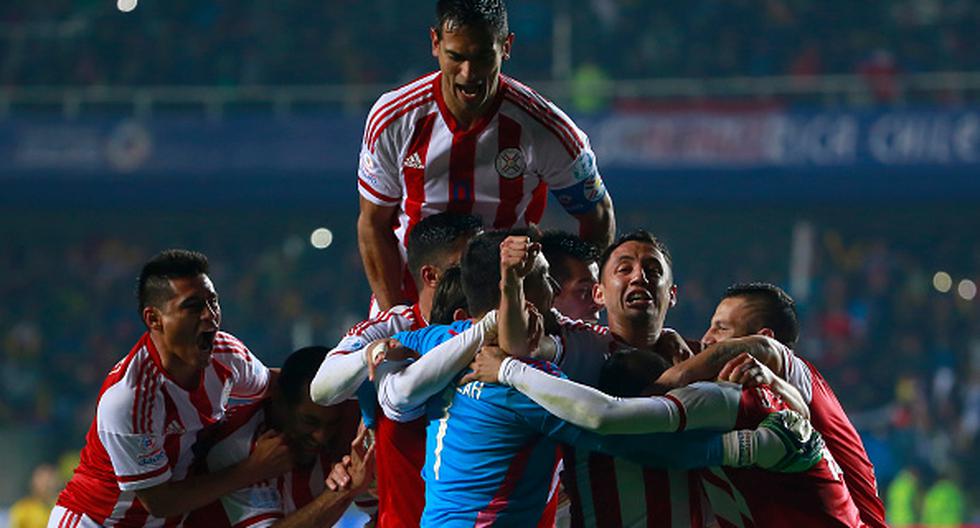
(468, 139)
(176, 381)
(434, 246)
(761, 318)
(574, 264)
(817, 497)
(298, 498)
(491, 454)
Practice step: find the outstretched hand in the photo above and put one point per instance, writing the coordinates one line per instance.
(485, 366)
(746, 370)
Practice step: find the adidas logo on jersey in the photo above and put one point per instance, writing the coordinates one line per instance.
(174, 427)
(413, 162)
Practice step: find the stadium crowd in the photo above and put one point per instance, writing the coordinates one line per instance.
(240, 43)
(902, 357)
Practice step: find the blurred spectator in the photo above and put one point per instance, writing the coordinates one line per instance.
(902, 498)
(32, 511)
(944, 505)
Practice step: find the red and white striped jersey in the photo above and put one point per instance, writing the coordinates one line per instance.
(608, 491)
(416, 157)
(828, 416)
(263, 503)
(145, 425)
(343, 371)
(746, 497)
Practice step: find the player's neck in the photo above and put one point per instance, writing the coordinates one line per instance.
(425, 303)
(642, 336)
(185, 374)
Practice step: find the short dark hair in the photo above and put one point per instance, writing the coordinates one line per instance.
(448, 297)
(770, 307)
(154, 287)
(639, 235)
(488, 14)
(559, 245)
(298, 371)
(432, 238)
(481, 268)
(628, 371)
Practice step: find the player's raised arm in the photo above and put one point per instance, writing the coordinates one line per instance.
(379, 252)
(404, 387)
(598, 225)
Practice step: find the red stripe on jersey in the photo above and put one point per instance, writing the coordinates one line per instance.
(569, 479)
(605, 492)
(462, 158)
(511, 187)
(257, 519)
(543, 115)
(202, 403)
(426, 99)
(656, 490)
(501, 498)
(136, 514)
(418, 147)
(302, 494)
(539, 200)
(376, 194)
(544, 107)
(155, 382)
(220, 370)
(384, 110)
(694, 498)
(681, 411)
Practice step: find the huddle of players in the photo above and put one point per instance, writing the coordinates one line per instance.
(469, 407)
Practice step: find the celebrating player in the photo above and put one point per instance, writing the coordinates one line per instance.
(574, 265)
(760, 318)
(468, 139)
(153, 404)
(313, 433)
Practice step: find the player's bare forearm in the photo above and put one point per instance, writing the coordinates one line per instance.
(512, 320)
(269, 458)
(598, 226)
(325, 510)
(706, 365)
(379, 253)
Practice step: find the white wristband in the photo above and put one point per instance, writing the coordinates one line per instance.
(508, 368)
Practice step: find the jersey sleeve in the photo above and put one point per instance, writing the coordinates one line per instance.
(570, 169)
(251, 376)
(135, 446)
(378, 179)
(797, 373)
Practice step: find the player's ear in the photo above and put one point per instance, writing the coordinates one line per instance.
(434, 36)
(506, 46)
(460, 314)
(598, 296)
(766, 332)
(430, 276)
(151, 318)
(673, 296)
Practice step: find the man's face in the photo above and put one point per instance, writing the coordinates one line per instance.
(730, 320)
(539, 286)
(470, 59)
(189, 320)
(636, 285)
(310, 428)
(575, 299)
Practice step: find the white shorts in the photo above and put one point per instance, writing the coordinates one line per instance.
(62, 517)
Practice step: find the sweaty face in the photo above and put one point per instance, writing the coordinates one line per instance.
(575, 299)
(470, 59)
(636, 286)
(730, 320)
(190, 319)
(310, 428)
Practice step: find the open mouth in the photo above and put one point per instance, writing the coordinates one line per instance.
(639, 299)
(470, 91)
(205, 341)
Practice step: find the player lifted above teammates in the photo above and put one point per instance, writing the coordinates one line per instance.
(468, 139)
(176, 380)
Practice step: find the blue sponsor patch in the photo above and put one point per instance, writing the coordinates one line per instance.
(582, 196)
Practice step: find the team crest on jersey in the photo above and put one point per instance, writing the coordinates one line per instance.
(510, 163)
